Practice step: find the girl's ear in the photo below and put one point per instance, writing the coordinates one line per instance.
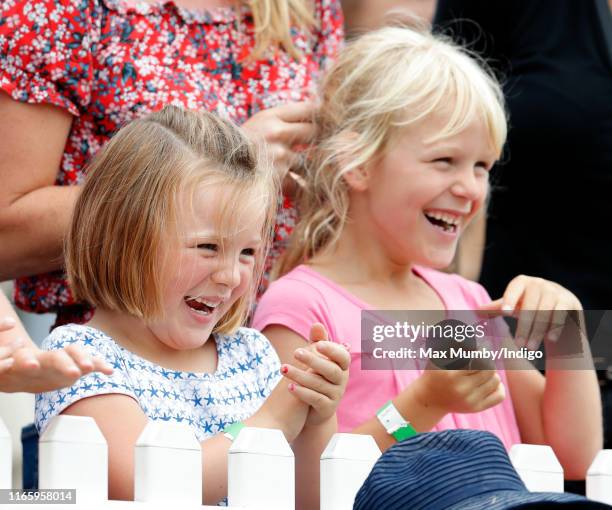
(356, 179)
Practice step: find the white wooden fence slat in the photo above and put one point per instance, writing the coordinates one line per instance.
(261, 470)
(345, 464)
(6, 457)
(538, 467)
(599, 478)
(73, 455)
(168, 464)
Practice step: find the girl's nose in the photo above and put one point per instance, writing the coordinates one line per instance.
(227, 274)
(468, 185)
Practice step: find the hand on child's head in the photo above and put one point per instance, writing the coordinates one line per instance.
(286, 129)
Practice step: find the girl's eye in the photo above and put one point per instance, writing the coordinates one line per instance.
(208, 246)
(445, 161)
(484, 166)
(249, 252)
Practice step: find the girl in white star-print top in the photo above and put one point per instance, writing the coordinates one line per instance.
(167, 241)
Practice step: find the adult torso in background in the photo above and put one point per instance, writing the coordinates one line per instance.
(551, 204)
(109, 61)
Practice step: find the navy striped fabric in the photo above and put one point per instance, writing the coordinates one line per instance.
(453, 469)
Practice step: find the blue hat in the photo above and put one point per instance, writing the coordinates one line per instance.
(454, 469)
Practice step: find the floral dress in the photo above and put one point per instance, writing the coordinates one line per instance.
(107, 62)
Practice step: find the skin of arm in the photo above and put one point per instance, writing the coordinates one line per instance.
(468, 260)
(121, 436)
(562, 410)
(34, 212)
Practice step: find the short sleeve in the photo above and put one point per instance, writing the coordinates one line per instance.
(293, 304)
(263, 359)
(52, 403)
(46, 51)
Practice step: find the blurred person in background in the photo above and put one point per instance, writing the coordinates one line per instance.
(550, 204)
(72, 72)
(363, 15)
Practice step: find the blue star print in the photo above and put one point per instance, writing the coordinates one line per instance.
(207, 402)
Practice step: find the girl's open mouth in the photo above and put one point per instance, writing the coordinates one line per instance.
(200, 305)
(446, 222)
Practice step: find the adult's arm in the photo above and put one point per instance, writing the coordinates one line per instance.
(34, 212)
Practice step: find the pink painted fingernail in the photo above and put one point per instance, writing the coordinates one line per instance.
(284, 369)
(291, 387)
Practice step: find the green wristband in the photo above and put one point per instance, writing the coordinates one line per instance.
(232, 431)
(394, 423)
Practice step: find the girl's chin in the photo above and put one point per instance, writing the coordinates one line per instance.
(438, 261)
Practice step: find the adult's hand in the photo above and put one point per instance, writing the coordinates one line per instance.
(286, 129)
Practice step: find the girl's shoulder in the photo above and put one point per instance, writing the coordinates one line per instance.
(79, 334)
(302, 278)
(457, 292)
(299, 290)
(244, 342)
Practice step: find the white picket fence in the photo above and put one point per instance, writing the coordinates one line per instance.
(261, 475)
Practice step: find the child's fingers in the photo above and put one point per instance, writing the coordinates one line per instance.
(82, 360)
(7, 323)
(541, 322)
(6, 364)
(101, 366)
(309, 380)
(480, 377)
(318, 401)
(513, 293)
(318, 332)
(322, 366)
(530, 301)
(8, 349)
(557, 323)
(336, 353)
(27, 359)
(496, 396)
(493, 309)
(62, 363)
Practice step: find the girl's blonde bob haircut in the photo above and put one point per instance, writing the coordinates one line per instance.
(126, 218)
(383, 81)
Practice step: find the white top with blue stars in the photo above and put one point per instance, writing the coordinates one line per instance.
(247, 371)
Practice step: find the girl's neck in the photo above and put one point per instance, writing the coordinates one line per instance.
(359, 263)
(133, 334)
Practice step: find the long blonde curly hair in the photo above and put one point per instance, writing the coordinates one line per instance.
(384, 80)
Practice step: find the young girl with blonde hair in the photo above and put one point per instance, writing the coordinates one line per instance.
(168, 240)
(410, 126)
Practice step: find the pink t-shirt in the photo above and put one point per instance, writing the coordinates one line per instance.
(304, 296)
